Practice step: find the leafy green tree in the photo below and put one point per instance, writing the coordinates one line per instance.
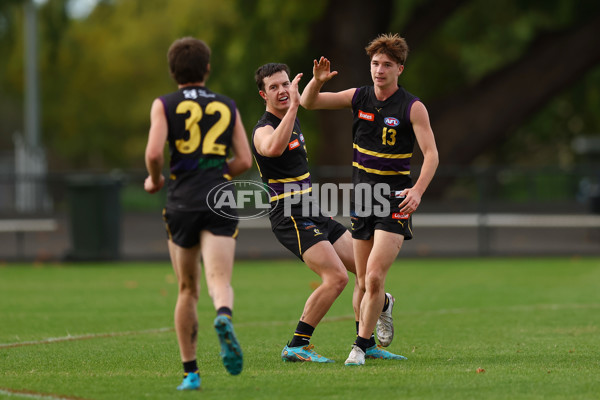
(483, 68)
(505, 82)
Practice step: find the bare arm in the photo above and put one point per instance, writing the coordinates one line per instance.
(313, 99)
(424, 134)
(154, 157)
(271, 142)
(242, 157)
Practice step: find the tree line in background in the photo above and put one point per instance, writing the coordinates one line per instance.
(511, 82)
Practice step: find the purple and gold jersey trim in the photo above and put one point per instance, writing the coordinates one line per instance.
(381, 163)
(297, 179)
(278, 186)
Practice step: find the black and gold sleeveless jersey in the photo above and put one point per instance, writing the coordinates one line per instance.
(200, 131)
(383, 138)
(287, 174)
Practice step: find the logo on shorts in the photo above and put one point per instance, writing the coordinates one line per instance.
(308, 226)
(400, 216)
(240, 200)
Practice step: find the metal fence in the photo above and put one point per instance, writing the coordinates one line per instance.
(466, 211)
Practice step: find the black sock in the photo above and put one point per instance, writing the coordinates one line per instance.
(386, 304)
(371, 339)
(362, 343)
(225, 311)
(302, 335)
(190, 366)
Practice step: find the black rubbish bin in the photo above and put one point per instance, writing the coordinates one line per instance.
(95, 214)
(595, 204)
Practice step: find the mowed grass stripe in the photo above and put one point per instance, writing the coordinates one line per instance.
(529, 326)
(524, 308)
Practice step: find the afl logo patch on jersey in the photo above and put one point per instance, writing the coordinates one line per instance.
(391, 121)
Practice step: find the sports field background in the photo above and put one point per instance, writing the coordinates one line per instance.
(143, 238)
(493, 328)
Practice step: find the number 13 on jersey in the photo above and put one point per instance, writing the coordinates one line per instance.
(388, 136)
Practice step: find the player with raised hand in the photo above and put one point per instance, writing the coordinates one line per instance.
(388, 120)
(322, 243)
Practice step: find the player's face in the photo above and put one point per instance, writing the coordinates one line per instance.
(276, 92)
(385, 71)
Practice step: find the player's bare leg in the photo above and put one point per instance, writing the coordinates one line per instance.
(344, 250)
(218, 257)
(384, 250)
(373, 258)
(324, 261)
(186, 267)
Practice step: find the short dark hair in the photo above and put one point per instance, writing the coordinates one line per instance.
(188, 60)
(267, 70)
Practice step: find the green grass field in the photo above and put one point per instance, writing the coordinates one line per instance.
(471, 329)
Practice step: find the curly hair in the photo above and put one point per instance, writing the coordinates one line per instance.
(392, 45)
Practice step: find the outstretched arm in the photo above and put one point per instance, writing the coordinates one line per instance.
(313, 99)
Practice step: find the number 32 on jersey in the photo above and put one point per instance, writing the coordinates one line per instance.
(209, 145)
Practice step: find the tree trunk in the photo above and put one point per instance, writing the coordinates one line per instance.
(346, 28)
(471, 120)
(468, 123)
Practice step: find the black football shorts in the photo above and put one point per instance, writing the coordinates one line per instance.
(395, 222)
(184, 227)
(298, 234)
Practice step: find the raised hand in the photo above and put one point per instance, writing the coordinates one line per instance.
(294, 92)
(322, 70)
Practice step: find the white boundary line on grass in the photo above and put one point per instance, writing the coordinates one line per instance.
(147, 331)
(34, 395)
(83, 337)
(522, 308)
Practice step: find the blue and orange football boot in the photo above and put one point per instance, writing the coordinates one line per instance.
(303, 354)
(231, 351)
(191, 381)
(379, 352)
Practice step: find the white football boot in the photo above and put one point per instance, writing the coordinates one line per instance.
(385, 324)
(356, 357)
